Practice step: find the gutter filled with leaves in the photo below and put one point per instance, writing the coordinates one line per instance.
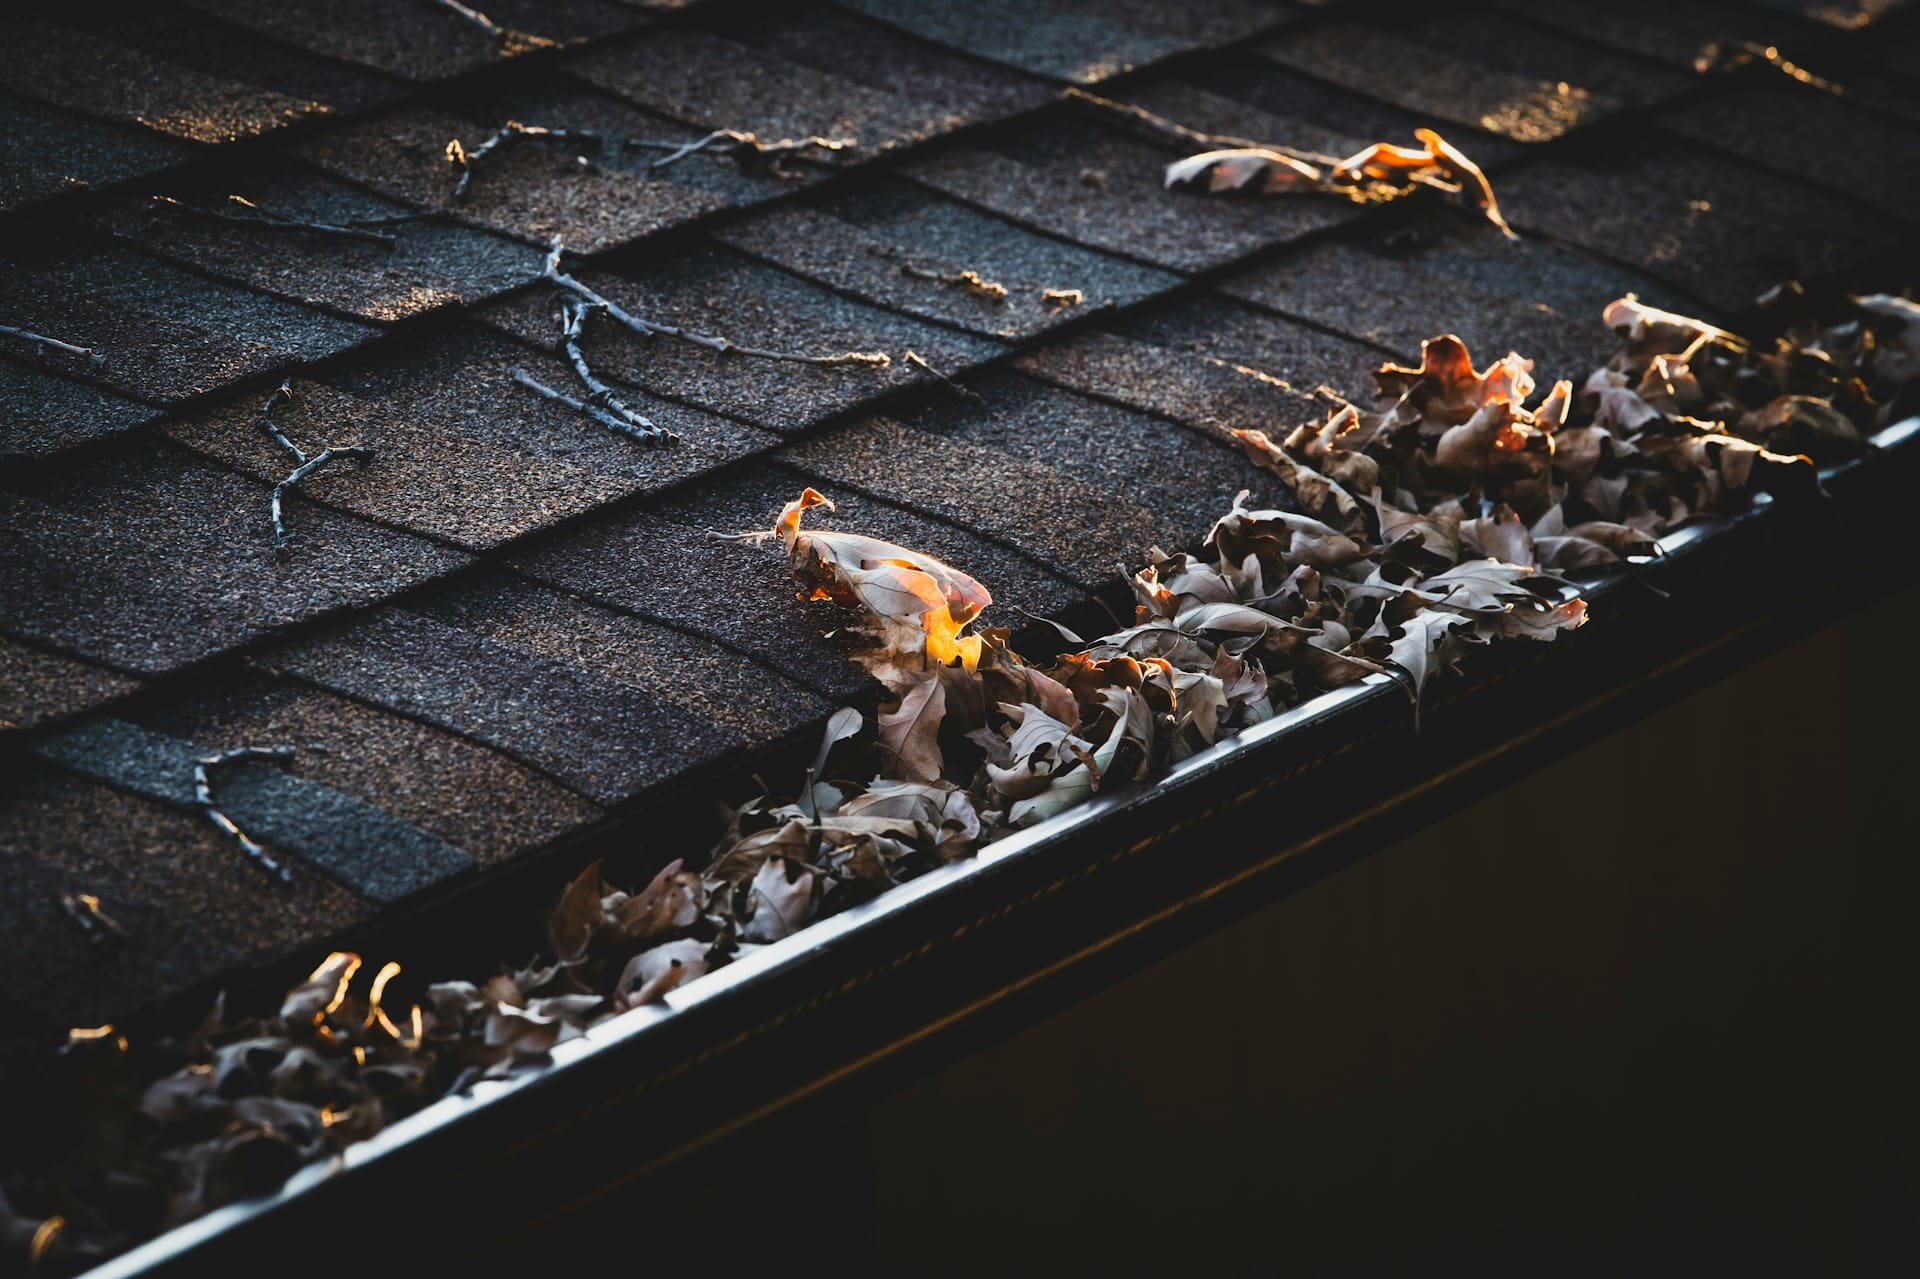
(1398, 539)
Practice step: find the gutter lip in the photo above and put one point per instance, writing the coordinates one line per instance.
(630, 1029)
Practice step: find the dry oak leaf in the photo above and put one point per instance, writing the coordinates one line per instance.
(915, 597)
(910, 732)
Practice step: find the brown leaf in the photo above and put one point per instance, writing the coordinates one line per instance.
(571, 926)
(910, 732)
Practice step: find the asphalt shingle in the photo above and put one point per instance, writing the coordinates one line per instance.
(882, 240)
(161, 334)
(1211, 366)
(360, 846)
(662, 563)
(463, 453)
(717, 292)
(1714, 226)
(85, 73)
(41, 414)
(189, 905)
(422, 41)
(1099, 184)
(425, 264)
(37, 686)
(1801, 130)
(532, 188)
(1080, 42)
(1396, 286)
(594, 731)
(1096, 488)
(146, 558)
(47, 152)
(1477, 68)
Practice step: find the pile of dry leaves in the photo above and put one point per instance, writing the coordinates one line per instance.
(1391, 539)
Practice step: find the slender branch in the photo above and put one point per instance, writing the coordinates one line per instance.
(84, 910)
(601, 404)
(919, 361)
(303, 465)
(721, 142)
(465, 160)
(735, 142)
(606, 418)
(267, 220)
(648, 328)
(43, 342)
(970, 280)
(1179, 132)
(203, 794)
(281, 542)
(477, 18)
(1062, 297)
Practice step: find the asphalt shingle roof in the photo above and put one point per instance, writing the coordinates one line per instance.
(510, 620)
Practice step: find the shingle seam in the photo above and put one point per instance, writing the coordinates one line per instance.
(1788, 173)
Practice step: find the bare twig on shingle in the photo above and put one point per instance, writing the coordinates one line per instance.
(1062, 297)
(648, 328)
(44, 343)
(304, 465)
(84, 910)
(919, 361)
(477, 18)
(656, 435)
(464, 160)
(203, 794)
(245, 212)
(1733, 54)
(601, 404)
(972, 281)
(1181, 133)
(746, 147)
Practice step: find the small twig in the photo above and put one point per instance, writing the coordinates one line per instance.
(735, 142)
(303, 464)
(281, 542)
(43, 342)
(1739, 53)
(601, 404)
(267, 220)
(464, 160)
(971, 281)
(657, 435)
(478, 19)
(648, 328)
(1062, 297)
(1181, 133)
(964, 392)
(720, 142)
(203, 794)
(84, 910)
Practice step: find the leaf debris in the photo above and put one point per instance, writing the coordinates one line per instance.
(1392, 539)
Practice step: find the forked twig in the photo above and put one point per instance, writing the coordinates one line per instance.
(265, 219)
(203, 794)
(304, 465)
(648, 328)
(43, 342)
(464, 160)
(601, 404)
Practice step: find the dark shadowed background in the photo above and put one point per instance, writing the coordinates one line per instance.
(1649, 1010)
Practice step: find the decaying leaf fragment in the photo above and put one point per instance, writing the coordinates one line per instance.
(1373, 175)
